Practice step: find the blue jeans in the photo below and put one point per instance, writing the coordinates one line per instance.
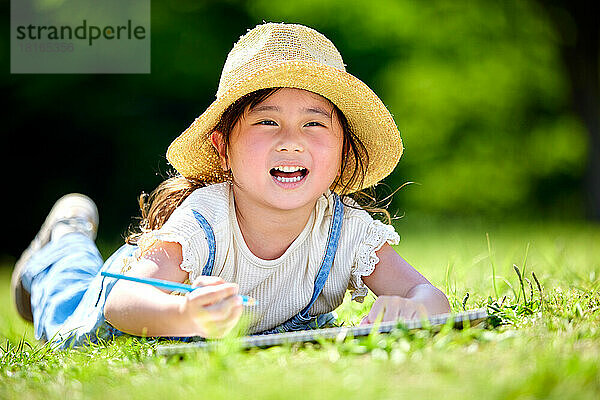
(67, 291)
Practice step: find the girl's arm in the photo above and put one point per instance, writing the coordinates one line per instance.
(402, 291)
(145, 310)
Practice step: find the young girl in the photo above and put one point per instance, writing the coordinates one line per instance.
(260, 207)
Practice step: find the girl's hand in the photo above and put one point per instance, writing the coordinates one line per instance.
(394, 308)
(214, 309)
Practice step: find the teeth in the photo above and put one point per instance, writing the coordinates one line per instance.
(288, 180)
(285, 168)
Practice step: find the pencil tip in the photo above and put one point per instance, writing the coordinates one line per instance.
(249, 301)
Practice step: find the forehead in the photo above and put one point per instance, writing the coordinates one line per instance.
(292, 97)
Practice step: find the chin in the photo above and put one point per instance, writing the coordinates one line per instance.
(288, 204)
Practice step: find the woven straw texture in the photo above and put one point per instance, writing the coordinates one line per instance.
(295, 56)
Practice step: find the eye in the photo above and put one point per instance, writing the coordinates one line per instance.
(267, 122)
(314, 123)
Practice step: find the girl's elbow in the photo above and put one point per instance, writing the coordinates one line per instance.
(111, 308)
(108, 310)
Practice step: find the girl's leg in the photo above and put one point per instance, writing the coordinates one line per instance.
(52, 274)
(57, 277)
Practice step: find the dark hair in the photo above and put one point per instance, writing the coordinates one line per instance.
(157, 207)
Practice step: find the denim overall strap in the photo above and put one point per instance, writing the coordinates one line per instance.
(303, 320)
(210, 238)
(332, 243)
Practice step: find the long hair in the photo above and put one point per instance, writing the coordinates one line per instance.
(158, 206)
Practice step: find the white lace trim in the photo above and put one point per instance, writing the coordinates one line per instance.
(148, 239)
(366, 258)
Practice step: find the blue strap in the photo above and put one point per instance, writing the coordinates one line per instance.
(210, 238)
(303, 320)
(332, 243)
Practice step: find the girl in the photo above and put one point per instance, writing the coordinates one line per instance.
(260, 207)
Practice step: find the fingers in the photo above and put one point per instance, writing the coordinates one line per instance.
(388, 307)
(213, 309)
(421, 311)
(207, 280)
(223, 310)
(377, 308)
(212, 294)
(392, 308)
(221, 328)
(218, 319)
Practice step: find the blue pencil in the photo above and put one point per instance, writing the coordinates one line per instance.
(182, 287)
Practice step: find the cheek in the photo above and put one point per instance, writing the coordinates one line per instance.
(248, 152)
(331, 155)
(336, 146)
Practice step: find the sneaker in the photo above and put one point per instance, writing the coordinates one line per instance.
(71, 213)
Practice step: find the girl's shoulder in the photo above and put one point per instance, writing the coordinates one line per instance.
(355, 218)
(212, 202)
(359, 224)
(187, 225)
(208, 204)
(354, 211)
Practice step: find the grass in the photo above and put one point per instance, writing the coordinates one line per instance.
(541, 283)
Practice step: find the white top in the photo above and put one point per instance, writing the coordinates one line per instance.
(282, 286)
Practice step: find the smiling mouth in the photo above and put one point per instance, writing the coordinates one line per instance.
(288, 174)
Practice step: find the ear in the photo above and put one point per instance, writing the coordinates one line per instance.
(219, 144)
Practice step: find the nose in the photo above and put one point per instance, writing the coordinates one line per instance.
(290, 140)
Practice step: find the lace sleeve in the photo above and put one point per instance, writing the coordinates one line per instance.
(366, 258)
(190, 248)
(181, 228)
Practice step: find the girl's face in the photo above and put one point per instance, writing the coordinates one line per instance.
(285, 152)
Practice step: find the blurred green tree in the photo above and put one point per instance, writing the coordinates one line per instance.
(480, 95)
(481, 92)
(577, 23)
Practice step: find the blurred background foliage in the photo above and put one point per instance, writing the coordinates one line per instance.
(479, 90)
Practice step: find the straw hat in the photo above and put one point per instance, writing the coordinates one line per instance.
(295, 56)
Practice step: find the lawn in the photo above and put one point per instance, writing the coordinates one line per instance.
(544, 341)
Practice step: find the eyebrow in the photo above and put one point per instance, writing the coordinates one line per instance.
(263, 108)
(317, 110)
(310, 110)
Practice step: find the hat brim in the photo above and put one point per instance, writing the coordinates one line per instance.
(193, 155)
